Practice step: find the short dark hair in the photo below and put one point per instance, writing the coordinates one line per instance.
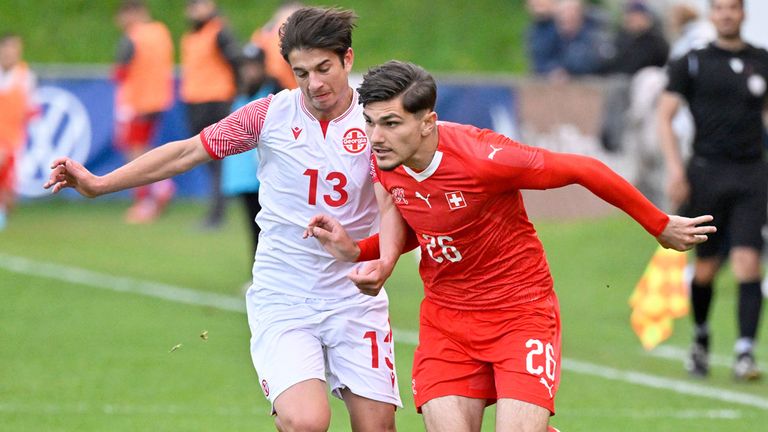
(318, 28)
(395, 78)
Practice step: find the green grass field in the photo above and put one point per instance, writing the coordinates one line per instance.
(433, 34)
(90, 309)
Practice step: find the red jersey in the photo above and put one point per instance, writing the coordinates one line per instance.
(479, 250)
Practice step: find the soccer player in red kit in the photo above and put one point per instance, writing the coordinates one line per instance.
(489, 324)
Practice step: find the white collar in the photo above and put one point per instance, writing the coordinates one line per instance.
(421, 176)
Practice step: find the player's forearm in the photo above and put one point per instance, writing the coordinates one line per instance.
(392, 237)
(608, 185)
(160, 163)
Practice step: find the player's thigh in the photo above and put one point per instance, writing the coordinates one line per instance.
(526, 356)
(368, 415)
(284, 348)
(518, 416)
(303, 407)
(360, 350)
(444, 364)
(453, 413)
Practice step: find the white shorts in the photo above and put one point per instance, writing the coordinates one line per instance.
(346, 342)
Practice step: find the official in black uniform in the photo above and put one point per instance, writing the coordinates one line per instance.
(725, 86)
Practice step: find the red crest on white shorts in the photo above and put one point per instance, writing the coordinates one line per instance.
(265, 387)
(354, 141)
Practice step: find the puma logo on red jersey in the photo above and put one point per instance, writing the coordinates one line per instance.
(493, 151)
(426, 199)
(549, 387)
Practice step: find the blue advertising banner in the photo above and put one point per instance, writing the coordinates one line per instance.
(76, 120)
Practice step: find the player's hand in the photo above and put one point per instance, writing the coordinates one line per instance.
(334, 238)
(370, 276)
(69, 173)
(683, 233)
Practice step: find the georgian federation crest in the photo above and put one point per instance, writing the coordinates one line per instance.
(354, 141)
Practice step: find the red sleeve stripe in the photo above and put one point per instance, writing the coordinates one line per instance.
(239, 131)
(207, 146)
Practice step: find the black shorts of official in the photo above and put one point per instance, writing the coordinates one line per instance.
(736, 195)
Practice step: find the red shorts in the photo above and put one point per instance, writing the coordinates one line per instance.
(8, 173)
(136, 132)
(490, 354)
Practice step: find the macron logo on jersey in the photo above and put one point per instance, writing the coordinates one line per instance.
(296, 132)
(455, 200)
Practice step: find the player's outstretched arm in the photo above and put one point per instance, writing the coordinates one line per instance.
(334, 238)
(158, 164)
(682, 233)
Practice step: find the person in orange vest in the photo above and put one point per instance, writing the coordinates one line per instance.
(16, 85)
(268, 39)
(144, 78)
(209, 56)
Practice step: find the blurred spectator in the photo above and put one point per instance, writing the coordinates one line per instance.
(639, 42)
(582, 40)
(209, 54)
(144, 77)
(16, 85)
(238, 177)
(268, 39)
(543, 42)
(688, 30)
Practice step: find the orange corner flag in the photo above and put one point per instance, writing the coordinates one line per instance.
(660, 296)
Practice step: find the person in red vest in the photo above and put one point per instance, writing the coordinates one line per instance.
(144, 78)
(209, 55)
(16, 84)
(268, 39)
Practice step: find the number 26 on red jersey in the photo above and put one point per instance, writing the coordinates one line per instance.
(440, 249)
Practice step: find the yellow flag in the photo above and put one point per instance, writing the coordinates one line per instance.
(660, 296)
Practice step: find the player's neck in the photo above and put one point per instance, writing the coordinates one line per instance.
(424, 155)
(338, 109)
(731, 43)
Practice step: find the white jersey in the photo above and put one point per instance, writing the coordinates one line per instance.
(302, 173)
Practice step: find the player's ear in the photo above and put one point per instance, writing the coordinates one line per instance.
(428, 123)
(349, 59)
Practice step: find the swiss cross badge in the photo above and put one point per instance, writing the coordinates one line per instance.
(354, 141)
(398, 195)
(455, 200)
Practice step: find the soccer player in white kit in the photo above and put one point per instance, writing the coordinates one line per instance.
(311, 327)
